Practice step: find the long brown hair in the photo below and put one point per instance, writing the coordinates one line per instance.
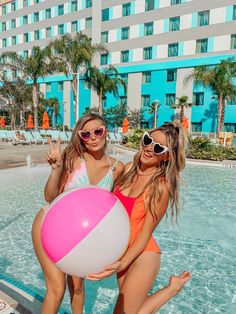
(169, 169)
(76, 147)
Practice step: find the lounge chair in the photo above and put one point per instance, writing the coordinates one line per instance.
(63, 137)
(29, 137)
(54, 134)
(119, 137)
(37, 136)
(3, 135)
(112, 137)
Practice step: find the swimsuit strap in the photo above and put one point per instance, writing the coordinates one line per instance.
(114, 166)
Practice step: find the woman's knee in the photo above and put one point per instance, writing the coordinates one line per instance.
(78, 285)
(56, 291)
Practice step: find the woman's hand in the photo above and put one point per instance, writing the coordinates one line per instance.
(54, 155)
(108, 271)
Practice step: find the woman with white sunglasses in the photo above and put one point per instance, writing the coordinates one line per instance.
(147, 186)
(83, 162)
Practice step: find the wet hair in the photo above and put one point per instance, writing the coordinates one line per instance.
(169, 170)
(76, 147)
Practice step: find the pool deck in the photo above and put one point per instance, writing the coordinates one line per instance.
(16, 155)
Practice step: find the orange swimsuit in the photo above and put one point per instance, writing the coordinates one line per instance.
(136, 210)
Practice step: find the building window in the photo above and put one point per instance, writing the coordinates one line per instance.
(231, 101)
(104, 101)
(4, 26)
(203, 18)
(230, 127)
(104, 37)
(74, 6)
(123, 100)
(13, 6)
(104, 59)
(124, 77)
(61, 29)
(36, 1)
(26, 37)
(146, 77)
(126, 9)
(198, 99)
(25, 54)
(36, 16)
(88, 22)
(173, 50)
(174, 24)
(25, 19)
(125, 33)
(173, 2)
(61, 9)
(145, 100)
(25, 3)
(4, 42)
(105, 14)
(149, 5)
(60, 86)
(201, 45)
(88, 4)
(147, 53)
(4, 9)
(13, 40)
(124, 57)
(74, 26)
(234, 12)
(36, 35)
(233, 41)
(148, 29)
(196, 126)
(48, 32)
(48, 13)
(170, 100)
(48, 87)
(13, 23)
(171, 75)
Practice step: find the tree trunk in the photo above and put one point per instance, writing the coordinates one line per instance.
(181, 113)
(155, 117)
(75, 100)
(100, 103)
(222, 115)
(22, 119)
(13, 121)
(219, 127)
(35, 104)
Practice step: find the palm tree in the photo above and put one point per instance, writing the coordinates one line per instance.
(220, 78)
(19, 100)
(30, 68)
(53, 107)
(153, 109)
(71, 55)
(105, 81)
(182, 104)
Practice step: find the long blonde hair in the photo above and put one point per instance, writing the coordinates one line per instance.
(169, 169)
(76, 147)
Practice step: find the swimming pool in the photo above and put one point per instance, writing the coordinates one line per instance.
(203, 243)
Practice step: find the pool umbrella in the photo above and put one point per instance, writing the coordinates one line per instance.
(185, 123)
(45, 124)
(2, 122)
(125, 125)
(30, 123)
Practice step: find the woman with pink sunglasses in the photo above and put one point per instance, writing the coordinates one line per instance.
(83, 162)
(147, 186)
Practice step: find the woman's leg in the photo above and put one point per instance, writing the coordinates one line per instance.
(55, 279)
(76, 288)
(155, 301)
(136, 283)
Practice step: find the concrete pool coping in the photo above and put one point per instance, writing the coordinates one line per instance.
(119, 149)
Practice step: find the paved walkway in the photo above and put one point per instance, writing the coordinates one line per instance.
(16, 155)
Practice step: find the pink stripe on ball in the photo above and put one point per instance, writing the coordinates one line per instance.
(62, 230)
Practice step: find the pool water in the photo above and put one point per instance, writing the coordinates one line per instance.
(202, 243)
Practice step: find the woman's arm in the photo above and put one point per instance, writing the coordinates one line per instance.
(141, 241)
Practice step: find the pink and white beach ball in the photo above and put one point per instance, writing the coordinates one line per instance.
(85, 229)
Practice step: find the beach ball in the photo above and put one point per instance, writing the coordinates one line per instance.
(85, 229)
